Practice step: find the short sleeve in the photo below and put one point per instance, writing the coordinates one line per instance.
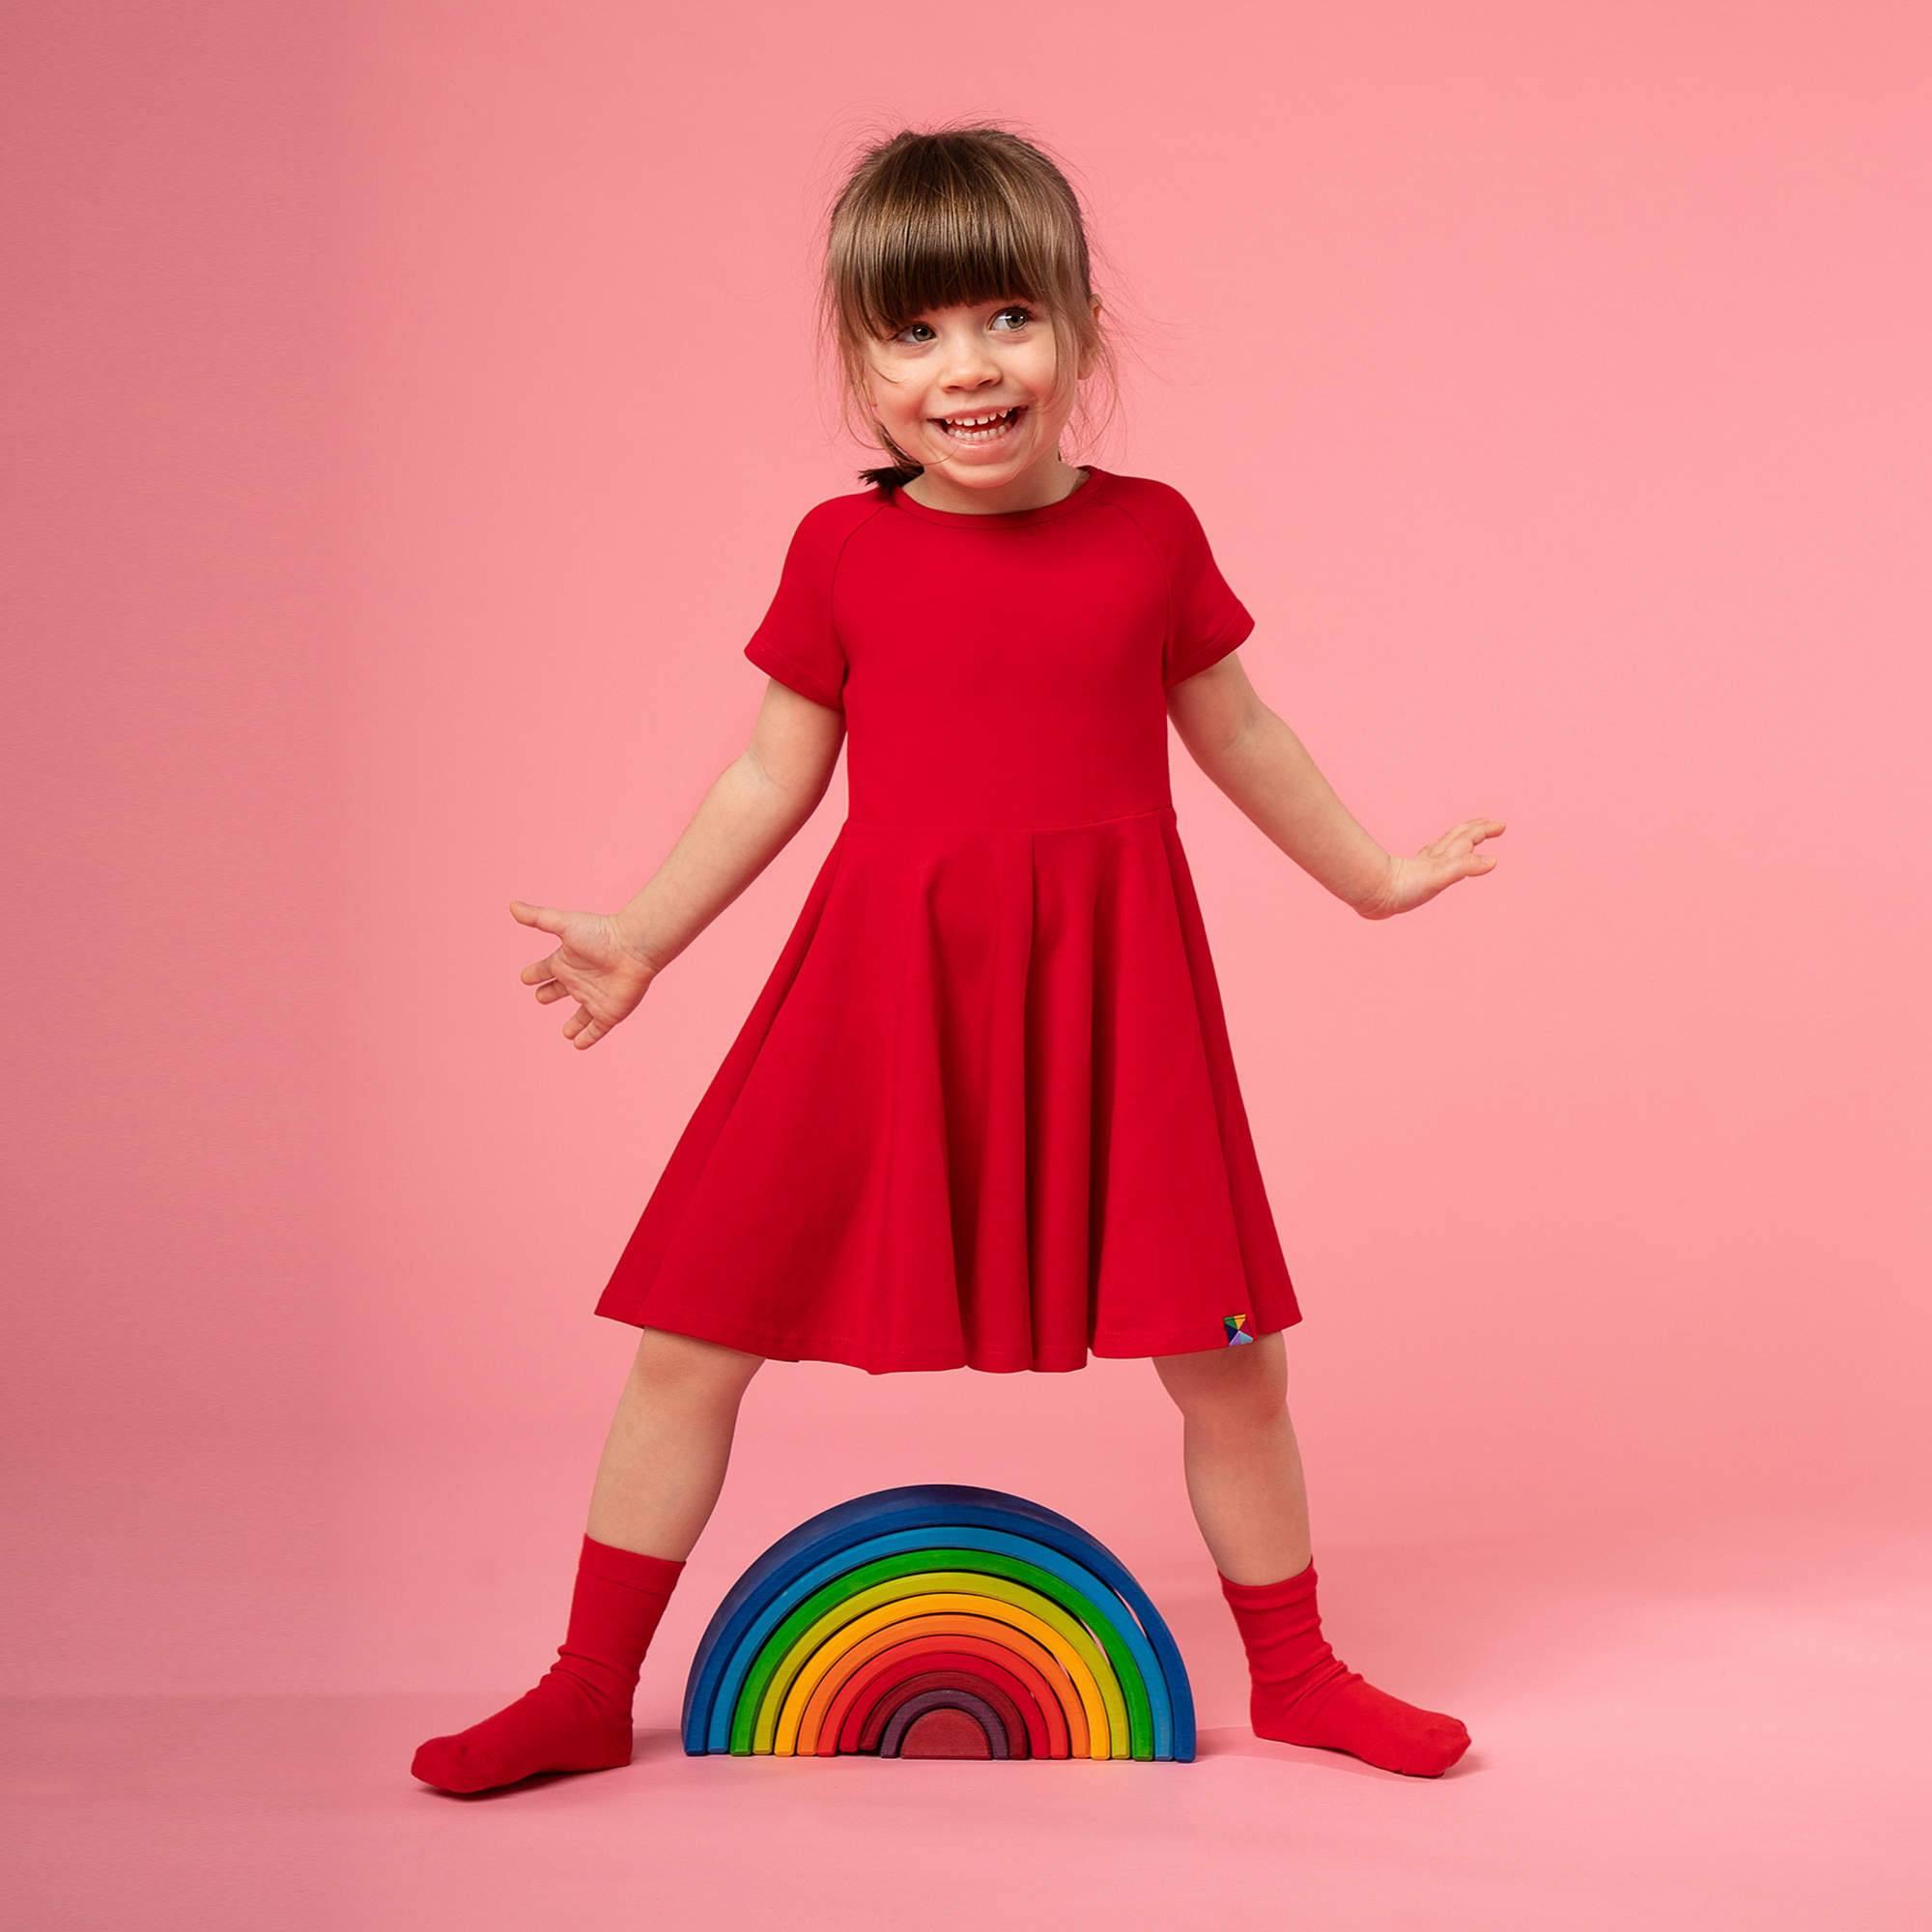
(796, 641)
(1206, 619)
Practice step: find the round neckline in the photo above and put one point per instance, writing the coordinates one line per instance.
(1006, 519)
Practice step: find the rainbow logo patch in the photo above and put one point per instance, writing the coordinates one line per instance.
(1236, 1326)
(939, 1620)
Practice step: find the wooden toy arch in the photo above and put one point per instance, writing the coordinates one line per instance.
(939, 1619)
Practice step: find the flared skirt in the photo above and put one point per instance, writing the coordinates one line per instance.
(983, 1114)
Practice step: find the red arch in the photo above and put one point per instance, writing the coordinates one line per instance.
(971, 1675)
(1047, 1731)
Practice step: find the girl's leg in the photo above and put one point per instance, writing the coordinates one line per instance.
(1241, 1461)
(670, 1443)
(1246, 1483)
(664, 1464)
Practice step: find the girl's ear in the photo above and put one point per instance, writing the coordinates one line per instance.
(1085, 368)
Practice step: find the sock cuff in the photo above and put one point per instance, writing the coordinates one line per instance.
(636, 1568)
(1271, 1596)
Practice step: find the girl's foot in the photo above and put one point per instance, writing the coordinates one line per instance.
(1302, 1694)
(577, 1718)
(557, 1725)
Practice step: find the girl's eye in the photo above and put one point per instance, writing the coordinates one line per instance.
(1011, 308)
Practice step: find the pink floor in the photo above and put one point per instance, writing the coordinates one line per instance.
(1721, 1733)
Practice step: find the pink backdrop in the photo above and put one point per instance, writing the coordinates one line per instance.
(411, 405)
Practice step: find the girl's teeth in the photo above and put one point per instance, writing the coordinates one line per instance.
(983, 432)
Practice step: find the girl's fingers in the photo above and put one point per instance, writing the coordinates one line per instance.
(1461, 838)
(546, 918)
(555, 991)
(539, 970)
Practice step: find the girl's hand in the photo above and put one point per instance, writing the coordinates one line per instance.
(591, 965)
(1413, 881)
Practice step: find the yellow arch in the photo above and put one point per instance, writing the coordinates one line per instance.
(783, 1706)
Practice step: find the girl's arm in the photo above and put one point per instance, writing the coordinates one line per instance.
(750, 812)
(606, 961)
(1252, 755)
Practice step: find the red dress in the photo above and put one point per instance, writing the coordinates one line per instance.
(983, 1113)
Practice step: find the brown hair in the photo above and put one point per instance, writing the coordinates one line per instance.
(954, 214)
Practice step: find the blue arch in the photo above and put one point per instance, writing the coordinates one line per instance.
(771, 1609)
(911, 1517)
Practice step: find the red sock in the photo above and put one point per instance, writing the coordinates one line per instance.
(1302, 1694)
(578, 1717)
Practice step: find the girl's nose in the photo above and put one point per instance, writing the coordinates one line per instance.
(970, 366)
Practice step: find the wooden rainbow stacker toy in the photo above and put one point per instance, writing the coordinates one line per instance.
(939, 1620)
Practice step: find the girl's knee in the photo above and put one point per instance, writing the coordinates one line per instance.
(1246, 1384)
(672, 1364)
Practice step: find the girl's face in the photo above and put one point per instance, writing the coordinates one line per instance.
(989, 360)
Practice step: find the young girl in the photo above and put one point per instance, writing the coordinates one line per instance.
(983, 1113)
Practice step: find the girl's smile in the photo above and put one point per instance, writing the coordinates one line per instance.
(982, 426)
